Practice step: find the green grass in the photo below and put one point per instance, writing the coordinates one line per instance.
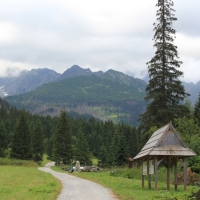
(45, 161)
(15, 162)
(24, 183)
(21, 180)
(58, 168)
(127, 188)
(27, 163)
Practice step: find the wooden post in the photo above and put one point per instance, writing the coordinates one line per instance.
(148, 175)
(156, 172)
(185, 173)
(142, 175)
(175, 175)
(168, 174)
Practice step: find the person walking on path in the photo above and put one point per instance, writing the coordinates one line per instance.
(74, 188)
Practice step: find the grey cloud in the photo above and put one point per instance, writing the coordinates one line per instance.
(54, 35)
(12, 71)
(187, 13)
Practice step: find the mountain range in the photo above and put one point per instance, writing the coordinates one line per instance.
(30, 80)
(109, 95)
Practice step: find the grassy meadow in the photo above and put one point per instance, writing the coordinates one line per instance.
(21, 180)
(130, 188)
(126, 184)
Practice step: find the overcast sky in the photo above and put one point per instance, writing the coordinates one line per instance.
(95, 34)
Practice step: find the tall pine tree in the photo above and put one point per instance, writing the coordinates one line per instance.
(62, 146)
(37, 143)
(164, 91)
(21, 140)
(82, 153)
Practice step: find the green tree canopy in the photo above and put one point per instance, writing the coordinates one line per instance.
(62, 147)
(21, 140)
(190, 133)
(82, 152)
(37, 143)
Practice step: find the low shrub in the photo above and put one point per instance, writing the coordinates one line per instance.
(192, 178)
(126, 172)
(15, 162)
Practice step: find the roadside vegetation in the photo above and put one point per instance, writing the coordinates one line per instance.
(21, 180)
(126, 184)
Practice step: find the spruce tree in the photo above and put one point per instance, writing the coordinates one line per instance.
(49, 147)
(21, 140)
(37, 143)
(114, 149)
(122, 154)
(103, 156)
(82, 152)
(62, 146)
(197, 110)
(164, 90)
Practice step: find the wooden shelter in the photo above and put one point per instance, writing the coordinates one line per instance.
(166, 146)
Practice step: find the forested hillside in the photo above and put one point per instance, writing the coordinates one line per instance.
(103, 98)
(87, 137)
(110, 143)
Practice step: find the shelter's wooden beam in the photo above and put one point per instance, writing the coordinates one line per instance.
(175, 174)
(168, 173)
(156, 172)
(185, 173)
(142, 175)
(148, 175)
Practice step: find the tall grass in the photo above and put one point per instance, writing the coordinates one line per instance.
(21, 180)
(27, 183)
(126, 184)
(28, 163)
(136, 173)
(15, 162)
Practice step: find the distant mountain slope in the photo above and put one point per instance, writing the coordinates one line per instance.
(3, 82)
(103, 98)
(125, 79)
(193, 90)
(28, 80)
(75, 70)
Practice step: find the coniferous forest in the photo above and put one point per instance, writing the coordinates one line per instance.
(63, 138)
(67, 139)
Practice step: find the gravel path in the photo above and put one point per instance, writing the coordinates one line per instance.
(75, 188)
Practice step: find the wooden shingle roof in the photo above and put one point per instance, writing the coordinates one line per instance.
(165, 141)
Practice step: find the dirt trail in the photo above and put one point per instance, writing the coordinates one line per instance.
(75, 188)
